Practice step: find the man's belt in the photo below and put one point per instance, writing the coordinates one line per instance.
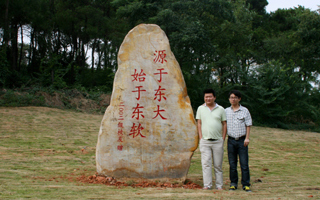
(210, 139)
(237, 138)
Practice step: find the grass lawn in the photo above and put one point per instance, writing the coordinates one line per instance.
(44, 150)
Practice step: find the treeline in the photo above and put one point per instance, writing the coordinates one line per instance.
(273, 58)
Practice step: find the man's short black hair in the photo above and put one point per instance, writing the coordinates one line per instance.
(236, 93)
(209, 90)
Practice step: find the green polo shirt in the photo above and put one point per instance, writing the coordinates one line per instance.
(211, 126)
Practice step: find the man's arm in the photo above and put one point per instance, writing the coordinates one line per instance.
(224, 129)
(199, 129)
(246, 141)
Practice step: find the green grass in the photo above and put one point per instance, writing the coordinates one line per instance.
(41, 156)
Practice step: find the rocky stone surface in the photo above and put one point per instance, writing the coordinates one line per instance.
(148, 131)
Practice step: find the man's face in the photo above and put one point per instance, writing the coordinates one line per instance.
(234, 100)
(209, 98)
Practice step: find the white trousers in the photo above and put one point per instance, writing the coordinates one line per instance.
(212, 151)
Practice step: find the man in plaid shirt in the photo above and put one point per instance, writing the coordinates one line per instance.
(238, 130)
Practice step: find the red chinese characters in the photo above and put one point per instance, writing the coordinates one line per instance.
(136, 130)
(160, 74)
(136, 112)
(120, 147)
(159, 95)
(138, 76)
(158, 113)
(160, 56)
(120, 126)
(121, 109)
(120, 134)
(139, 90)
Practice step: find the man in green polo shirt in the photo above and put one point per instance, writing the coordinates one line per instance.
(212, 129)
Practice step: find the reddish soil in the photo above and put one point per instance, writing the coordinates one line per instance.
(110, 181)
(96, 179)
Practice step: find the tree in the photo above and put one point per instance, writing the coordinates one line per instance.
(276, 96)
(258, 6)
(295, 39)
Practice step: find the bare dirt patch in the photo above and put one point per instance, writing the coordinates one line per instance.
(97, 179)
(53, 100)
(77, 100)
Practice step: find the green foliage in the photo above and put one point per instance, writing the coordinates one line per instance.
(276, 95)
(271, 57)
(97, 78)
(78, 98)
(52, 72)
(13, 98)
(258, 5)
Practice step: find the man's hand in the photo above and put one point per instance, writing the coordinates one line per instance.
(199, 128)
(246, 142)
(224, 129)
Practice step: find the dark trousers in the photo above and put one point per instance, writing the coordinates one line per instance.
(235, 148)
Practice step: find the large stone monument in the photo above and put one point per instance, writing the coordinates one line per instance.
(148, 131)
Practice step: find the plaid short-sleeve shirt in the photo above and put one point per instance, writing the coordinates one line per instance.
(237, 121)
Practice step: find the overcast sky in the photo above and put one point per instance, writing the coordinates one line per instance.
(275, 4)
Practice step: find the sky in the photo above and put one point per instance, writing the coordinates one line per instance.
(275, 4)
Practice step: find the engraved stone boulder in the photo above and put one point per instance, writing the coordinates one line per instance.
(148, 131)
